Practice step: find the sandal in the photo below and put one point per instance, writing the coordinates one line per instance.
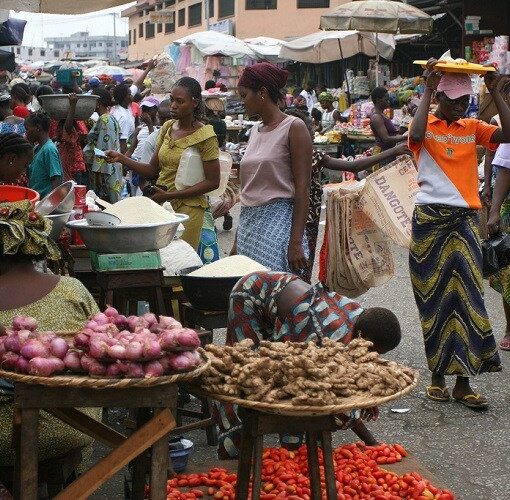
(504, 344)
(443, 390)
(469, 401)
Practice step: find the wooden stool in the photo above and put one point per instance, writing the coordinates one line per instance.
(122, 288)
(208, 320)
(256, 424)
(204, 416)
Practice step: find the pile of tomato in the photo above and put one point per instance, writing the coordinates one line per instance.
(358, 473)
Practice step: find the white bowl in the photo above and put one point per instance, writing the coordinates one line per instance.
(57, 105)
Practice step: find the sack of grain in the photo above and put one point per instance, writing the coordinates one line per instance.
(229, 267)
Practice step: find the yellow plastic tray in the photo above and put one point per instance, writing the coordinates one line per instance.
(469, 68)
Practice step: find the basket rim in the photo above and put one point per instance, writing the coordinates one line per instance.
(350, 403)
(77, 380)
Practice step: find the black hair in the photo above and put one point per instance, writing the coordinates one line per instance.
(378, 93)
(316, 114)
(11, 143)
(5, 103)
(39, 119)
(195, 91)
(381, 327)
(33, 87)
(21, 93)
(137, 97)
(105, 98)
(209, 84)
(43, 90)
(120, 92)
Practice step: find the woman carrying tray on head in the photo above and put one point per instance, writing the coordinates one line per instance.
(58, 303)
(281, 307)
(445, 256)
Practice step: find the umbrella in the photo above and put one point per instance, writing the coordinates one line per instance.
(265, 47)
(327, 46)
(106, 70)
(211, 43)
(60, 6)
(377, 16)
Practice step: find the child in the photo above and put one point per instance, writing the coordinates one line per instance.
(45, 170)
(281, 307)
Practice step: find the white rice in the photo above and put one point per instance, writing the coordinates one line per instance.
(229, 267)
(138, 210)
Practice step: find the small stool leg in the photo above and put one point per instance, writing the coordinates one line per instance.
(257, 467)
(244, 466)
(329, 466)
(313, 465)
(211, 431)
(159, 468)
(25, 486)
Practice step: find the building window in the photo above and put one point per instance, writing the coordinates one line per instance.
(134, 36)
(169, 3)
(226, 8)
(84, 44)
(109, 44)
(211, 8)
(140, 30)
(78, 45)
(129, 37)
(182, 17)
(149, 30)
(56, 53)
(195, 15)
(101, 43)
(30, 52)
(93, 44)
(160, 28)
(18, 51)
(260, 4)
(312, 4)
(159, 6)
(123, 43)
(43, 53)
(170, 27)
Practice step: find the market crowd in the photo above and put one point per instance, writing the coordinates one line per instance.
(133, 145)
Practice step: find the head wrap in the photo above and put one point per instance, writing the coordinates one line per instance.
(94, 82)
(326, 96)
(455, 85)
(263, 75)
(25, 231)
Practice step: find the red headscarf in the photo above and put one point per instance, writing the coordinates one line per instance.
(263, 75)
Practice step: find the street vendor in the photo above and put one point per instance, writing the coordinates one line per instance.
(330, 115)
(281, 307)
(185, 130)
(445, 257)
(58, 303)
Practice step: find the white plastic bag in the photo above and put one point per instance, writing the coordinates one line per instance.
(191, 170)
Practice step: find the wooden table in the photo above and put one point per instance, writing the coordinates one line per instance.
(62, 401)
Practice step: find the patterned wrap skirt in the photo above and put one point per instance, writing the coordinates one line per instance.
(445, 261)
(501, 280)
(264, 234)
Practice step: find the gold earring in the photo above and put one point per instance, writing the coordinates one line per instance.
(262, 97)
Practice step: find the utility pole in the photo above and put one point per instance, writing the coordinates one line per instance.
(206, 10)
(114, 58)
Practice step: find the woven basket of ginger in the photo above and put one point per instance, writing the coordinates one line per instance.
(329, 377)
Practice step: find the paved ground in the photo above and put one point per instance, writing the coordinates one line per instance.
(468, 451)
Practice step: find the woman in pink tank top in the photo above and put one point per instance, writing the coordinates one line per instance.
(275, 176)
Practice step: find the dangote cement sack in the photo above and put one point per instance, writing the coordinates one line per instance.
(388, 199)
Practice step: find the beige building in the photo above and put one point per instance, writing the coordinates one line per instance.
(153, 24)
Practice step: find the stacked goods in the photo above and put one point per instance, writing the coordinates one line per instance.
(110, 345)
(138, 210)
(303, 374)
(285, 475)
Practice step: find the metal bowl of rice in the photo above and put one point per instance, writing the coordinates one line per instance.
(128, 238)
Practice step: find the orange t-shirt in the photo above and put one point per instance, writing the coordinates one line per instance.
(448, 163)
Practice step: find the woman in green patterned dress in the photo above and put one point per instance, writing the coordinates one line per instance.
(57, 303)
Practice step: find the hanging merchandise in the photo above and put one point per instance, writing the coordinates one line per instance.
(7, 62)
(11, 32)
(164, 75)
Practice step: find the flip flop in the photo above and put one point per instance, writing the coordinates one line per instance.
(504, 344)
(466, 401)
(443, 390)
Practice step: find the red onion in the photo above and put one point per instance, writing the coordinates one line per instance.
(2, 345)
(97, 348)
(24, 335)
(151, 349)
(22, 365)
(96, 368)
(153, 369)
(111, 312)
(12, 343)
(34, 349)
(180, 362)
(194, 357)
(169, 323)
(81, 341)
(111, 341)
(188, 338)
(168, 339)
(100, 318)
(115, 370)
(44, 367)
(58, 347)
(134, 351)
(150, 318)
(132, 322)
(8, 360)
(72, 360)
(111, 329)
(165, 363)
(24, 323)
(91, 325)
(117, 352)
(135, 370)
(120, 321)
(86, 361)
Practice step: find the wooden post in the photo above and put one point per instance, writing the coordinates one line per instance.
(25, 487)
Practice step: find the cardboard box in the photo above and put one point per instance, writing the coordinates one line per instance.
(125, 261)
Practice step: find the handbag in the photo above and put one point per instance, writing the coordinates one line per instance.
(495, 254)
